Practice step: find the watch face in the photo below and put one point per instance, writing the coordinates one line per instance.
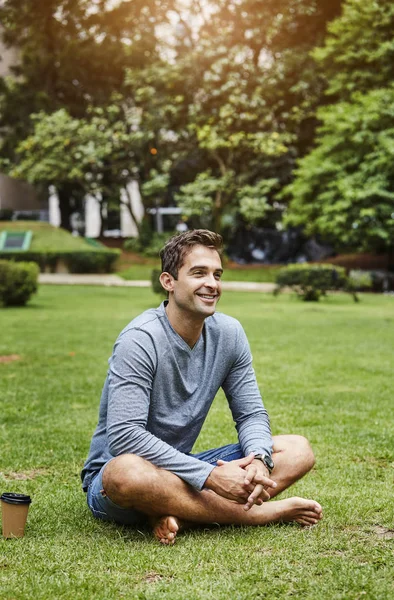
(268, 462)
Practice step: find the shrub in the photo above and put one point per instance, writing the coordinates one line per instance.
(132, 245)
(312, 281)
(372, 281)
(156, 244)
(77, 261)
(157, 288)
(18, 281)
(360, 280)
(148, 246)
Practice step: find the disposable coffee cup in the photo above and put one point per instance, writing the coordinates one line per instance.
(14, 509)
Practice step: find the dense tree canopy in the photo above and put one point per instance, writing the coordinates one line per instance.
(344, 189)
(214, 103)
(71, 54)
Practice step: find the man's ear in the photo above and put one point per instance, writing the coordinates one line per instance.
(167, 281)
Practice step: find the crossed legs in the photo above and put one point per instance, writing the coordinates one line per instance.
(132, 482)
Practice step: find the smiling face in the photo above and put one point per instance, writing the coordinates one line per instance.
(198, 287)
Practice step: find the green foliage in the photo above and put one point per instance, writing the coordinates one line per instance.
(254, 200)
(344, 188)
(252, 96)
(78, 261)
(51, 244)
(132, 244)
(149, 246)
(156, 185)
(157, 288)
(63, 149)
(156, 243)
(358, 52)
(18, 282)
(70, 55)
(360, 280)
(204, 197)
(310, 282)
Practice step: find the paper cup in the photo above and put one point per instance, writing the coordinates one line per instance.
(14, 509)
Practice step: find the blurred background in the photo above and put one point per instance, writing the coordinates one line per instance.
(269, 121)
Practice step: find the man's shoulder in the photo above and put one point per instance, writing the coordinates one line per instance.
(221, 319)
(224, 323)
(149, 322)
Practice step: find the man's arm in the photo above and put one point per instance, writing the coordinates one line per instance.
(244, 398)
(251, 419)
(130, 380)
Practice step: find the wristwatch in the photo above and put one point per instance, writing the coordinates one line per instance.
(267, 461)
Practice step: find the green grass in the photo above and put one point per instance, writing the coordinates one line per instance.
(325, 371)
(138, 271)
(48, 238)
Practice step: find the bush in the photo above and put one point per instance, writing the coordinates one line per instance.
(157, 288)
(156, 244)
(371, 281)
(360, 281)
(77, 261)
(310, 282)
(132, 245)
(149, 247)
(18, 281)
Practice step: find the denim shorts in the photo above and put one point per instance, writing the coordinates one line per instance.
(103, 508)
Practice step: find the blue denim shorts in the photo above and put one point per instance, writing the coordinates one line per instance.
(103, 508)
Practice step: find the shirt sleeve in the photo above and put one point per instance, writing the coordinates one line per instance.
(130, 378)
(244, 398)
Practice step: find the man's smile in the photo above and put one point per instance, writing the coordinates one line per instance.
(208, 296)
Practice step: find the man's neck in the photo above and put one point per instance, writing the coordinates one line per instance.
(185, 325)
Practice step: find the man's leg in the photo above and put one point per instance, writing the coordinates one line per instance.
(134, 483)
(293, 458)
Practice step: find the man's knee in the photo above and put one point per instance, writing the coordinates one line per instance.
(303, 451)
(124, 476)
(298, 449)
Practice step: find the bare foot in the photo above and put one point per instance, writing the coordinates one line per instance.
(165, 529)
(304, 512)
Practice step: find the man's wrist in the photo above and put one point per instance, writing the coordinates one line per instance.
(209, 480)
(266, 460)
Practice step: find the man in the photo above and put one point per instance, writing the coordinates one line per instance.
(166, 368)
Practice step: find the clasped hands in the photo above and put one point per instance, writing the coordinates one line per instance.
(244, 481)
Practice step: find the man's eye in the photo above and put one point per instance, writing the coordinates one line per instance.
(218, 276)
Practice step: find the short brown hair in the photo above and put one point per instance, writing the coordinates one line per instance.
(176, 249)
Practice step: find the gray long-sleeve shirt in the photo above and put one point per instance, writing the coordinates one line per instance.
(158, 392)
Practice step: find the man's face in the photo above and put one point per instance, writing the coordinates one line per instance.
(198, 287)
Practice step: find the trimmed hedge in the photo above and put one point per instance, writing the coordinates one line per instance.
(310, 282)
(18, 281)
(77, 261)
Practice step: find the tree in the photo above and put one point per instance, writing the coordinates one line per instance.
(94, 155)
(254, 91)
(72, 54)
(344, 188)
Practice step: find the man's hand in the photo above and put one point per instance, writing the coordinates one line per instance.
(258, 474)
(228, 479)
(243, 481)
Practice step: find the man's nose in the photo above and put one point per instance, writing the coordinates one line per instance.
(211, 281)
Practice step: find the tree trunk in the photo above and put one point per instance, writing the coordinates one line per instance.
(129, 206)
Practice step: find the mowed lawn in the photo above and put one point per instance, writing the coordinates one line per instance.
(325, 371)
